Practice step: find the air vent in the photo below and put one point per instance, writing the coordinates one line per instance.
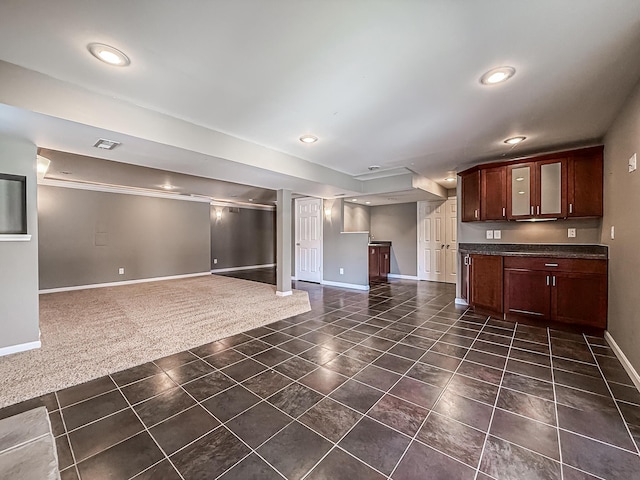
(234, 210)
(105, 144)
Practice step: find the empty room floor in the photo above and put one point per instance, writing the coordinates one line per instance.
(396, 383)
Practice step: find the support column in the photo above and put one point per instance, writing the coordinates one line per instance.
(283, 244)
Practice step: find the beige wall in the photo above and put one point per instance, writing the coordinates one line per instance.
(19, 260)
(398, 224)
(357, 218)
(622, 210)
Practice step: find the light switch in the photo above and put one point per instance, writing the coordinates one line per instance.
(489, 234)
(497, 234)
(633, 163)
(571, 233)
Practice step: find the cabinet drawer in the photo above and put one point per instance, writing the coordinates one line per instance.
(577, 265)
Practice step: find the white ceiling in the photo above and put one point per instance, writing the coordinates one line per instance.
(390, 83)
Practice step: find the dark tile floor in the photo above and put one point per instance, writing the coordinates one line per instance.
(395, 383)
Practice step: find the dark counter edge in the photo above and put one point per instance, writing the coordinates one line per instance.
(536, 250)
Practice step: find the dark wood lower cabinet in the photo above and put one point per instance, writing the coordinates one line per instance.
(379, 262)
(570, 291)
(486, 283)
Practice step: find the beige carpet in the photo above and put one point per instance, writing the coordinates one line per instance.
(90, 333)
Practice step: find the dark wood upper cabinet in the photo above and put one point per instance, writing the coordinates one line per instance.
(584, 189)
(560, 185)
(493, 198)
(471, 196)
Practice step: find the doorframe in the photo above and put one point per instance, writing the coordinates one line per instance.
(295, 237)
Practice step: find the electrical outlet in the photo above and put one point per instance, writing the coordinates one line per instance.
(342, 271)
(121, 271)
(571, 232)
(613, 232)
(633, 163)
(489, 234)
(215, 260)
(497, 234)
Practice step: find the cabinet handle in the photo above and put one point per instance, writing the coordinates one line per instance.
(448, 247)
(547, 280)
(554, 280)
(475, 213)
(373, 251)
(550, 264)
(504, 212)
(385, 256)
(531, 209)
(538, 209)
(571, 208)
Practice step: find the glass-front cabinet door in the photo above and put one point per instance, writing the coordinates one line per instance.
(520, 191)
(552, 188)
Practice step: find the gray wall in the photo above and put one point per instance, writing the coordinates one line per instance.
(622, 210)
(242, 239)
(398, 224)
(19, 260)
(86, 236)
(357, 218)
(343, 250)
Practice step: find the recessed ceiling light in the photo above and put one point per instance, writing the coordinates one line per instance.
(451, 176)
(354, 199)
(251, 199)
(105, 144)
(368, 203)
(515, 140)
(497, 75)
(308, 139)
(108, 54)
(167, 186)
(450, 179)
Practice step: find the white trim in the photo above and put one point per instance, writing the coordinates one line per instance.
(635, 378)
(461, 301)
(248, 267)
(403, 277)
(15, 238)
(96, 187)
(249, 206)
(22, 347)
(283, 294)
(124, 282)
(296, 238)
(355, 286)
(294, 278)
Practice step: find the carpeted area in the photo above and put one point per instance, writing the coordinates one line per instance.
(89, 333)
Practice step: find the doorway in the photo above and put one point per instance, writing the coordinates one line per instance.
(437, 240)
(308, 239)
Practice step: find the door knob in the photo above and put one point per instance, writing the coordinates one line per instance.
(298, 244)
(442, 246)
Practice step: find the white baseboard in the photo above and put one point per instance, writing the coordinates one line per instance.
(283, 294)
(402, 277)
(461, 301)
(124, 282)
(248, 267)
(354, 286)
(23, 347)
(635, 378)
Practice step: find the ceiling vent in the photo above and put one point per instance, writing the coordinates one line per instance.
(105, 144)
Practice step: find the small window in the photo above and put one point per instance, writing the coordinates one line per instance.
(13, 204)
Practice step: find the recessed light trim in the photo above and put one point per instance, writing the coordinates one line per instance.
(497, 75)
(109, 54)
(354, 199)
(105, 144)
(368, 203)
(308, 139)
(515, 140)
(167, 186)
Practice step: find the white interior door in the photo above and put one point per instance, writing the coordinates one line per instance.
(451, 237)
(431, 241)
(308, 235)
(437, 241)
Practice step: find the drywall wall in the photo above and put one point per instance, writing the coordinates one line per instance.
(86, 236)
(343, 250)
(19, 260)
(398, 224)
(357, 218)
(242, 237)
(621, 201)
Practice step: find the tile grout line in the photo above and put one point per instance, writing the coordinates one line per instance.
(555, 404)
(68, 440)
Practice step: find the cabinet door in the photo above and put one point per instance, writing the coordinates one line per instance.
(486, 282)
(520, 194)
(374, 262)
(471, 196)
(551, 188)
(493, 198)
(579, 298)
(465, 278)
(527, 293)
(385, 261)
(584, 190)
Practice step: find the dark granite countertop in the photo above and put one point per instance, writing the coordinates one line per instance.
(536, 250)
